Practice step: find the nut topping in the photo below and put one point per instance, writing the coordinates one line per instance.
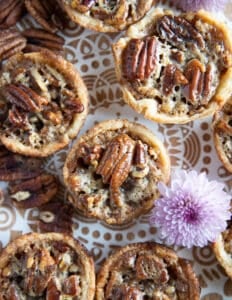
(91, 155)
(38, 39)
(179, 32)
(83, 5)
(71, 286)
(16, 167)
(126, 293)
(200, 79)
(172, 77)
(140, 156)
(34, 192)
(11, 42)
(116, 163)
(139, 58)
(23, 97)
(18, 118)
(10, 12)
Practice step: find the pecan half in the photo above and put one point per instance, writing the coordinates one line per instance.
(11, 42)
(33, 192)
(16, 167)
(139, 58)
(115, 165)
(140, 155)
(179, 32)
(38, 39)
(55, 216)
(10, 12)
(47, 13)
(200, 82)
(149, 267)
(24, 97)
(172, 76)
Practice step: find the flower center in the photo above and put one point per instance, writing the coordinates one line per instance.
(190, 215)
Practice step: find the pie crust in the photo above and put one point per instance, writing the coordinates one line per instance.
(223, 249)
(106, 16)
(44, 102)
(112, 171)
(146, 271)
(175, 68)
(50, 266)
(222, 133)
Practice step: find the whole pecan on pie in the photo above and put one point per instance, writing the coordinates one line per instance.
(46, 266)
(146, 271)
(47, 13)
(174, 69)
(112, 171)
(106, 16)
(44, 102)
(11, 42)
(10, 12)
(39, 39)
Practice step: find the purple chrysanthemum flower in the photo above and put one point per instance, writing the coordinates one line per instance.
(195, 5)
(193, 211)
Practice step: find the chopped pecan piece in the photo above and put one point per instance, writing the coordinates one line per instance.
(34, 192)
(73, 105)
(149, 267)
(40, 269)
(47, 13)
(16, 167)
(53, 292)
(24, 97)
(139, 58)
(11, 42)
(10, 12)
(178, 31)
(71, 286)
(140, 155)
(116, 163)
(55, 216)
(172, 77)
(83, 5)
(200, 81)
(18, 118)
(126, 293)
(38, 39)
(90, 154)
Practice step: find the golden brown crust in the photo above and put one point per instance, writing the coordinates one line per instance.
(146, 270)
(223, 249)
(47, 265)
(104, 18)
(112, 171)
(184, 100)
(57, 118)
(222, 134)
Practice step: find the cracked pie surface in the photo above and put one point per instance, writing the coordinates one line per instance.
(146, 271)
(175, 68)
(222, 133)
(46, 266)
(105, 15)
(44, 102)
(112, 171)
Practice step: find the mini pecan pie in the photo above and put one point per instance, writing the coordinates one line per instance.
(222, 132)
(146, 271)
(43, 103)
(112, 171)
(106, 16)
(223, 249)
(46, 266)
(174, 69)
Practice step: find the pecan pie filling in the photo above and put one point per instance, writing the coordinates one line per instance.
(41, 105)
(113, 175)
(146, 271)
(172, 66)
(43, 266)
(116, 15)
